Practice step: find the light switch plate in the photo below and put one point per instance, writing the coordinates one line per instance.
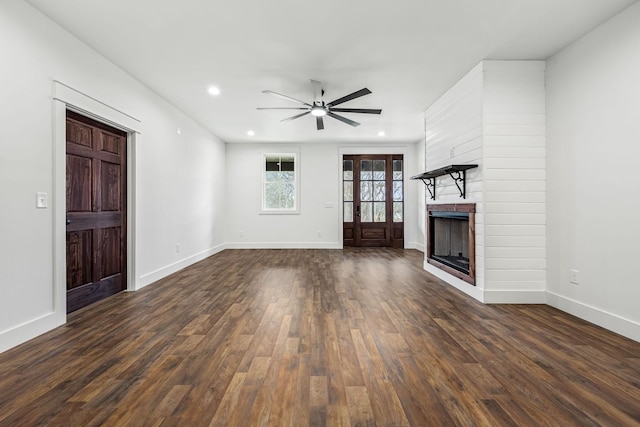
(41, 200)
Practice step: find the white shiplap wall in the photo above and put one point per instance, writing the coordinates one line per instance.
(514, 181)
(453, 135)
(494, 116)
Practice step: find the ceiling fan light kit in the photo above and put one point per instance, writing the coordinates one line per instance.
(319, 109)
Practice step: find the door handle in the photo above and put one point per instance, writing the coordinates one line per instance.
(357, 210)
(68, 221)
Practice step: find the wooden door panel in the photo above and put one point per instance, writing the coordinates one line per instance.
(373, 233)
(79, 258)
(82, 296)
(110, 143)
(110, 190)
(78, 133)
(110, 251)
(96, 211)
(79, 180)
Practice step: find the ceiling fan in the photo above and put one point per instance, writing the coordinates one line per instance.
(319, 109)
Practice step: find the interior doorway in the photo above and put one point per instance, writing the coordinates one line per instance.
(96, 211)
(373, 200)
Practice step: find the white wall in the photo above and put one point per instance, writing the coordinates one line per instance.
(593, 197)
(320, 185)
(36, 52)
(416, 189)
(318, 166)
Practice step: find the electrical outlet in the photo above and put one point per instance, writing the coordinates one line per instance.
(573, 276)
(177, 247)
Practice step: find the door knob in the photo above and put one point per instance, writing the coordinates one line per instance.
(68, 221)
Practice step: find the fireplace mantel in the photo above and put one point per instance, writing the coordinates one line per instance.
(460, 171)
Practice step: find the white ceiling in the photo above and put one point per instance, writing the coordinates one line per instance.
(407, 52)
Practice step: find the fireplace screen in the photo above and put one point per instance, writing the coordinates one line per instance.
(451, 240)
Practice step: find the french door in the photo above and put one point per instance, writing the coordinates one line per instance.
(373, 200)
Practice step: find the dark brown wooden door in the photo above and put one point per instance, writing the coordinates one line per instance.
(373, 201)
(96, 211)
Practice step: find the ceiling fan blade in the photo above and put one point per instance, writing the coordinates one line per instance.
(319, 123)
(354, 95)
(296, 116)
(343, 119)
(357, 110)
(270, 92)
(316, 86)
(282, 108)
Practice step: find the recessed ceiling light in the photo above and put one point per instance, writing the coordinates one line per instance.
(250, 133)
(381, 133)
(213, 90)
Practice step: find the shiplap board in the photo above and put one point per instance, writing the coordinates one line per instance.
(514, 219)
(521, 252)
(511, 186)
(514, 141)
(515, 263)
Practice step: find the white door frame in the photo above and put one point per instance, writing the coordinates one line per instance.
(67, 98)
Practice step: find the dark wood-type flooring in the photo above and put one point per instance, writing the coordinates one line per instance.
(318, 337)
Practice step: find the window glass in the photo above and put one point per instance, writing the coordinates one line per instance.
(348, 212)
(348, 191)
(279, 184)
(367, 211)
(397, 191)
(397, 212)
(366, 191)
(397, 169)
(347, 168)
(378, 191)
(378, 169)
(379, 212)
(365, 170)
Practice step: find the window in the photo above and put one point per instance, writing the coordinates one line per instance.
(280, 184)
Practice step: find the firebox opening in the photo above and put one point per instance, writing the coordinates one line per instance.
(451, 241)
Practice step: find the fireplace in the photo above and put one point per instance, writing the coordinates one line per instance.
(451, 239)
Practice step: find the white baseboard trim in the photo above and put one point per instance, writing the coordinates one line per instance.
(148, 278)
(281, 245)
(461, 285)
(414, 245)
(620, 325)
(29, 330)
(515, 296)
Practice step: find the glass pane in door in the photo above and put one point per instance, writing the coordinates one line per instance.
(367, 212)
(348, 212)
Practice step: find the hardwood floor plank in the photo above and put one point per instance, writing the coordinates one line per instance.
(318, 338)
(360, 411)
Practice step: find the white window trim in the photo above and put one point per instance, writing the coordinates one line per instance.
(296, 171)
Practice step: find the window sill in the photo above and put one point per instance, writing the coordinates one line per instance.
(276, 212)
